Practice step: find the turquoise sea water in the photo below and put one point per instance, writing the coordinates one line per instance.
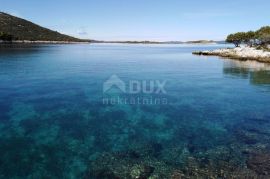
(54, 122)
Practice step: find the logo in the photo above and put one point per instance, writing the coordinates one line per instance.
(134, 86)
(114, 82)
(136, 92)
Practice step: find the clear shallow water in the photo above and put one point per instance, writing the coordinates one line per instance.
(55, 124)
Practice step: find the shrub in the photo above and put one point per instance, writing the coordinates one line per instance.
(263, 35)
(5, 36)
(249, 38)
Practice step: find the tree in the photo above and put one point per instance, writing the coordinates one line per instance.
(260, 37)
(249, 38)
(236, 38)
(263, 35)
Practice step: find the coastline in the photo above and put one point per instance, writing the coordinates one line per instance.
(157, 42)
(238, 53)
(203, 42)
(43, 42)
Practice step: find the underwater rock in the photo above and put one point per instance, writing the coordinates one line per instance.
(106, 174)
(260, 163)
(141, 172)
(136, 164)
(116, 165)
(177, 174)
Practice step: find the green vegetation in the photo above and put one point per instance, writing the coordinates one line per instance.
(6, 37)
(249, 38)
(259, 38)
(264, 35)
(14, 28)
(236, 38)
(201, 41)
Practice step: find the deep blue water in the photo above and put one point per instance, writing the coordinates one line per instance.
(54, 122)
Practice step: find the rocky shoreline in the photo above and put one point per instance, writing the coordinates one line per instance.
(239, 53)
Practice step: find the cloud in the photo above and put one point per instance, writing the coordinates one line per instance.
(82, 31)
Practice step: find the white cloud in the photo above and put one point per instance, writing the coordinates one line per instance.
(82, 32)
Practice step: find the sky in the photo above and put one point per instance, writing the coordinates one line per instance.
(158, 20)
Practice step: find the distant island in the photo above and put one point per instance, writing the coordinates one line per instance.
(201, 42)
(17, 30)
(165, 42)
(248, 46)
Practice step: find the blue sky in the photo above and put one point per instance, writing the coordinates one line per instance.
(144, 19)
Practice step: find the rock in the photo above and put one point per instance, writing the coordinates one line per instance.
(242, 53)
(177, 174)
(141, 172)
(105, 174)
(260, 163)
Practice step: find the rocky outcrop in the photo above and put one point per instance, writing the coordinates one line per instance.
(241, 53)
